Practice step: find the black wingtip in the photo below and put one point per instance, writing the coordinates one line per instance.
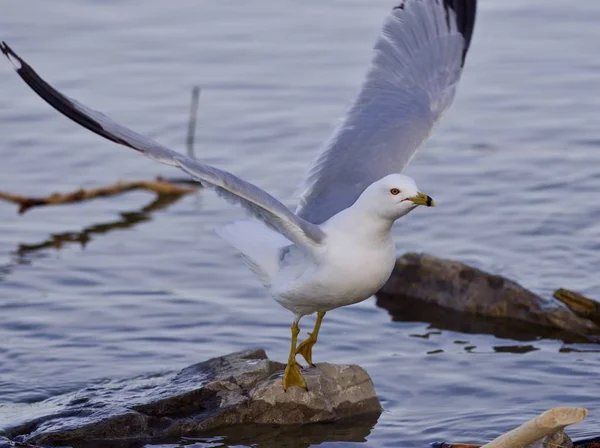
(6, 50)
(465, 11)
(56, 99)
(13, 57)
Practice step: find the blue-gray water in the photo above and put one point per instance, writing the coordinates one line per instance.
(514, 168)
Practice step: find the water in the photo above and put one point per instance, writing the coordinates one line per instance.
(513, 167)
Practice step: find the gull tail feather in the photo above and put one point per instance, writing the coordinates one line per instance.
(260, 246)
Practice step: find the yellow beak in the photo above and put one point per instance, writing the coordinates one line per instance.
(422, 199)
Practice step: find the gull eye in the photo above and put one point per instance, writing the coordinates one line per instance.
(395, 191)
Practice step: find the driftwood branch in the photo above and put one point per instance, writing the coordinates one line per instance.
(191, 134)
(546, 424)
(579, 304)
(159, 186)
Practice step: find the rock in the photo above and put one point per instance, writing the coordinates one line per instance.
(5, 443)
(558, 439)
(238, 389)
(447, 284)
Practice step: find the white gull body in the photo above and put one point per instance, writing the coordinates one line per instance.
(354, 261)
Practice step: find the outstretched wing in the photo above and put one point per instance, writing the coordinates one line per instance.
(262, 205)
(412, 80)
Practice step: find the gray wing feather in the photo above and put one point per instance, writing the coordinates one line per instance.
(255, 200)
(412, 81)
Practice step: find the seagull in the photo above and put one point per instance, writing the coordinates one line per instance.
(336, 249)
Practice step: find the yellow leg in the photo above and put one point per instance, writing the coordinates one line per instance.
(292, 375)
(305, 347)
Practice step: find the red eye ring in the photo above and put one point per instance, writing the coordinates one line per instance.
(395, 191)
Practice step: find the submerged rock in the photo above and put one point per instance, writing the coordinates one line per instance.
(5, 443)
(448, 284)
(237, 389)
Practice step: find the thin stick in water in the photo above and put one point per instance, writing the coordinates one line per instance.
(191, 135)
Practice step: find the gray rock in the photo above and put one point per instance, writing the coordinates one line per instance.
(238, 389)
(451, 285)
(558, 439)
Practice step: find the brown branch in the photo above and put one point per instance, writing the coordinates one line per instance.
(159, 186)
(580, 305)
(191, 135)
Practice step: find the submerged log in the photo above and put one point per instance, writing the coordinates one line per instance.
(454, 445)
(550, 422)
(559, 439)
(544, 431)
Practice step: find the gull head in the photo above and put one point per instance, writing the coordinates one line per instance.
(394, 196)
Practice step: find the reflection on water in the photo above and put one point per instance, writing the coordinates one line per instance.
(409, 309)
(265, 436)
(26, 253)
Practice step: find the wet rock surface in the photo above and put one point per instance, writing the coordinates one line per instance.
(238, 389)
(5, 443)
(448, 285)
